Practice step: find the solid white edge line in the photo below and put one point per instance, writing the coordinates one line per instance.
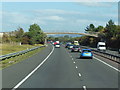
(107, 64)
(21, 82)
(84, 87)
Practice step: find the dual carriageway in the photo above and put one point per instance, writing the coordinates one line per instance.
(61, 68)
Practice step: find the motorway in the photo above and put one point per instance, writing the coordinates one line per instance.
(62, 69)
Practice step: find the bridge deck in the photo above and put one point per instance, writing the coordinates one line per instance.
(94, 35)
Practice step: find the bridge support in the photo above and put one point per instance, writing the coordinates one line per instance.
(45, 43)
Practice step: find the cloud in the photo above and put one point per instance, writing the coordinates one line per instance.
(23, 18)
(44, 19)
(0, 16)
(87, 22)
(95, 4)
(64, 13)
(38, 21)
(56, 18)
(55, 11)
(15, 17)
(60, 0)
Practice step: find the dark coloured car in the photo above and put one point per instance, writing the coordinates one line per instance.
(76, 48)
(66, 46)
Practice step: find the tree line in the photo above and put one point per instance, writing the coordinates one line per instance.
(109, 34)
(35, 35)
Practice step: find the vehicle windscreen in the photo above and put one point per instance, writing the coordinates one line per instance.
(86, 51)
(101, 45)
(75, 46)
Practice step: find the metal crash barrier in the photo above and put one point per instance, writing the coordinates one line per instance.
(112, 57)
(3, 57)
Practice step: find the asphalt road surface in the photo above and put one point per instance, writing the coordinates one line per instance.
(108, 51)
(62, 69)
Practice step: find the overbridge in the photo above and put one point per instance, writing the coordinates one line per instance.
(86, 34)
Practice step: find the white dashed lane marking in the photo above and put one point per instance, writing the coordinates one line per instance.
(79, 74)
(84, 87)
(76, 67)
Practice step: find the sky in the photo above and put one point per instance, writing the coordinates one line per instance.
(57, 16)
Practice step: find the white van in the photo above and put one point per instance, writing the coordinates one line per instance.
(101, 46)
(57, 46)
(57, 42)
(76, 43)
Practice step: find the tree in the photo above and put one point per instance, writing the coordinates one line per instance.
(5, 38)
(109, 34)
(35, 27)
(19, 32)
(110, 29)
(36, 35)
(25, 38)
(99, 28)
(90, 28)
(51, 38)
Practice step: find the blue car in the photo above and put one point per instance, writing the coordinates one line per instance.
(86, 53)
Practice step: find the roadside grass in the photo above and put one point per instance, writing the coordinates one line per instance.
(11, 48)
(14, 60)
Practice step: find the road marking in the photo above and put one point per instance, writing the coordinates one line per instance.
(79, 74)
(107, 64)
(84, 87)
(72, 58)
(68, 53)
(73, 62)
(76, 67)
(21, 82)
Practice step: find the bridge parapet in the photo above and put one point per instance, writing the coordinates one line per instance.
(87, 34)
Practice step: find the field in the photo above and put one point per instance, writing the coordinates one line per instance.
(11, 48)
(15, 48)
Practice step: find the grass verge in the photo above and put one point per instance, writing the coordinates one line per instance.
(14, 60)
(11, 48)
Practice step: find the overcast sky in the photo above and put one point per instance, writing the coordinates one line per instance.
(57, 16)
